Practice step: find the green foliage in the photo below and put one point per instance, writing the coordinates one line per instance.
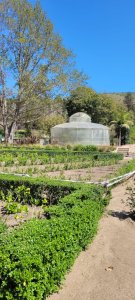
(131, 198)
(3, 227)
(47, 122)
(35, 258)
(39, 157)
(88, 148)
(38, 63)
(34, 190)
(21, 194)
(129, 101)
(125, 134)
(126, 168)
(120, 129)
(132, 135)
(20, 133)
(100, 107)
(12, 207)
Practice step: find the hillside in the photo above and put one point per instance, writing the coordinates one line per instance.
(119, 96)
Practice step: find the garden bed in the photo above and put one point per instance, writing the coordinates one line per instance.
(35, 256)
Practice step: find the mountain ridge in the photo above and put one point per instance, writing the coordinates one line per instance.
(118, 96)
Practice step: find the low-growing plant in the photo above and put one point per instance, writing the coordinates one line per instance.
(14, 208)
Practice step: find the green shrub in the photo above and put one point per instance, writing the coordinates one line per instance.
(90, 148)
(35, 257)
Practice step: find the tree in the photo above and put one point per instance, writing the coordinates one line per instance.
(120, 128)
(56, 115)
(49, 121)
(129, 102)
(100, 107)
(34, 64)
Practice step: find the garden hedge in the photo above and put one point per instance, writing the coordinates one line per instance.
(66, 152)
(39, 188)
(35, 257)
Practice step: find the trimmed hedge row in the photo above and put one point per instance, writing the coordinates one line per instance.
(34, 190)
(77, 147)
(35, 257)
(62, 152)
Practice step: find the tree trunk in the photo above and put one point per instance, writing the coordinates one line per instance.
(120, 137)
(9, 133)
(6, 133)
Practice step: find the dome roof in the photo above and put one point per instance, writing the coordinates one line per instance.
(85, 125)
(81, 120)
(80, 117)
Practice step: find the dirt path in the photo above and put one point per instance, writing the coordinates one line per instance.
(106, 271)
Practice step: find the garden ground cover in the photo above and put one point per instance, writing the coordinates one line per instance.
(36, 256)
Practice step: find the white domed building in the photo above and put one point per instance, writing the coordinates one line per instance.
(80, 130)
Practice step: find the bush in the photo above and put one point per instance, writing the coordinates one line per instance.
(90, 148)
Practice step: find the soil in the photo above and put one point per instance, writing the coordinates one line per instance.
(91, 174)
(19, 218)
(106, 270)
(87, 174)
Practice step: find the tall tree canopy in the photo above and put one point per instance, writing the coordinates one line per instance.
(100, 107)
(33, 63)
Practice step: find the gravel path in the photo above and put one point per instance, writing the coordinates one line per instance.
(106, 270)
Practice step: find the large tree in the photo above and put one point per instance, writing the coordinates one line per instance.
(120, 128)
(33, 63)
(100, 107)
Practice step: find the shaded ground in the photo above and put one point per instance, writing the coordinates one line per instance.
(107, 269)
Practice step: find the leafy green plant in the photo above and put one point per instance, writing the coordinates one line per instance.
(13, 208)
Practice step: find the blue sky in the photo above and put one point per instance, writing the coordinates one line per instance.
(101, 33)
